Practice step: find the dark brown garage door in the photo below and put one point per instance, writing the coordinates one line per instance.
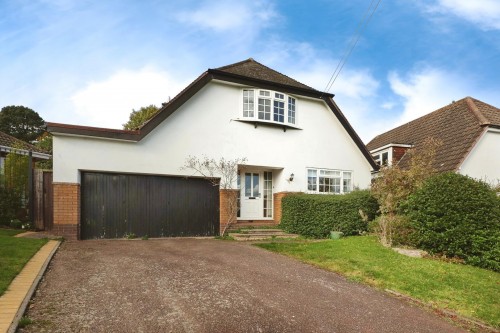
(117, 205)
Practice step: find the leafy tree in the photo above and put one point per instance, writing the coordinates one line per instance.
(21, 122)
(45, 142)
(139, 117)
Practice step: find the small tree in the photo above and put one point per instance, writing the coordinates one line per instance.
(138, 117)
(395, 184)
(13, 187)
(222, 173)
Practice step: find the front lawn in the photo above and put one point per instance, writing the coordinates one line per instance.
(470, 291)
(14, 254)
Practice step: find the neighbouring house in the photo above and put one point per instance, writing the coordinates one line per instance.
(111, 183)
(468, 129)
(10, 144)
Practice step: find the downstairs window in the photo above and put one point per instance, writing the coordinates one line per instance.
(329, 181)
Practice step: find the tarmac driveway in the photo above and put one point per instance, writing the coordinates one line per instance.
(193, 285)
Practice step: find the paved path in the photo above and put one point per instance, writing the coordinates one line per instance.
(13, 302)
(193, 285)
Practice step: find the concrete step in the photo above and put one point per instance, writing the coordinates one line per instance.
(260, 236)
(256, 224)
(261, 231)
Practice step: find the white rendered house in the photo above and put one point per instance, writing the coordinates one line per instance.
(294, 139)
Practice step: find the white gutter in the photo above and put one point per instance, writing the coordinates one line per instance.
(24, 152)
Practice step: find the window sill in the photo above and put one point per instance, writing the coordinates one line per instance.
(257, 122)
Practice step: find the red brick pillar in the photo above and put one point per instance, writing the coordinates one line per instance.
(225, 198)
(277, 205)
(66, 210)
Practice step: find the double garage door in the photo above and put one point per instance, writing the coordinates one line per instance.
(119, 205)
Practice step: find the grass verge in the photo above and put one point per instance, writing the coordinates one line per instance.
(14, 254)
(470, 291)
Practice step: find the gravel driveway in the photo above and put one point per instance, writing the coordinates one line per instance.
(206, 285)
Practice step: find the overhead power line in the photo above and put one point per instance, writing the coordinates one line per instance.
(354, 40)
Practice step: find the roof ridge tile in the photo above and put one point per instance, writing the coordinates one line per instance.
(475, 111)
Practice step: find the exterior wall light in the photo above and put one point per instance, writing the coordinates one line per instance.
(291, 177)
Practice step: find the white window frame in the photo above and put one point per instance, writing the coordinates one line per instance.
(378, 153)
(248, 103)
(338, 181)
(267, 112)
(380, 160)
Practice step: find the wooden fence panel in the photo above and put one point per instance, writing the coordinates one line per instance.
(42, 200)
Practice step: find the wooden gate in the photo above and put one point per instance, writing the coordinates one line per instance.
(42, 200)
(117, 205)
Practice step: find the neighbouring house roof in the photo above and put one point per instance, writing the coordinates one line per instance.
(458, 126)
(9, 143)
(248, 72)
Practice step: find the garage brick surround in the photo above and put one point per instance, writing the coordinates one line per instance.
(66, 210)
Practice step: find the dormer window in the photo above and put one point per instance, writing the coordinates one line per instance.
(272, 106)
(381, 158)
(389, 154)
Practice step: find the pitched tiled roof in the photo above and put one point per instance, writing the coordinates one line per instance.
(12, 142)
(253, 69)
(248, 72)
(458, 126)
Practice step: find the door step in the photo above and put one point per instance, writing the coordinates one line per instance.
(252, 225)
(261, 234)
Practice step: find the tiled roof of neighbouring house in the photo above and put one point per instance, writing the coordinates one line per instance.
(12, 142)
(458, 126)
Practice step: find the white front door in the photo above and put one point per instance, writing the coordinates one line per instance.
(256, 195)
(251, 198)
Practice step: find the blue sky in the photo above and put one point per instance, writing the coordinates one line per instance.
(90, 62)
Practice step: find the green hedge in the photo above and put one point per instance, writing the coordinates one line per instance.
(315, 215)
(457, 216)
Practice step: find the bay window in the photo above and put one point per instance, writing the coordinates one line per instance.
(272, 106)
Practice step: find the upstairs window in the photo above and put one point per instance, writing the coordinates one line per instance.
(329, 181)
(271, 106)
(291, 110)
(279, 108)
(248, 103)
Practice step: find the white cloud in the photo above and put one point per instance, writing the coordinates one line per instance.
(229, 15)
(484, 13)
(108, 103)
(355, 93)
(426, 91)
(388, 105)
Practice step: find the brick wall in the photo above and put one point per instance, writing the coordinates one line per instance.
(66, 210)
(224, 200)
(397, 153)
(277, 205)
